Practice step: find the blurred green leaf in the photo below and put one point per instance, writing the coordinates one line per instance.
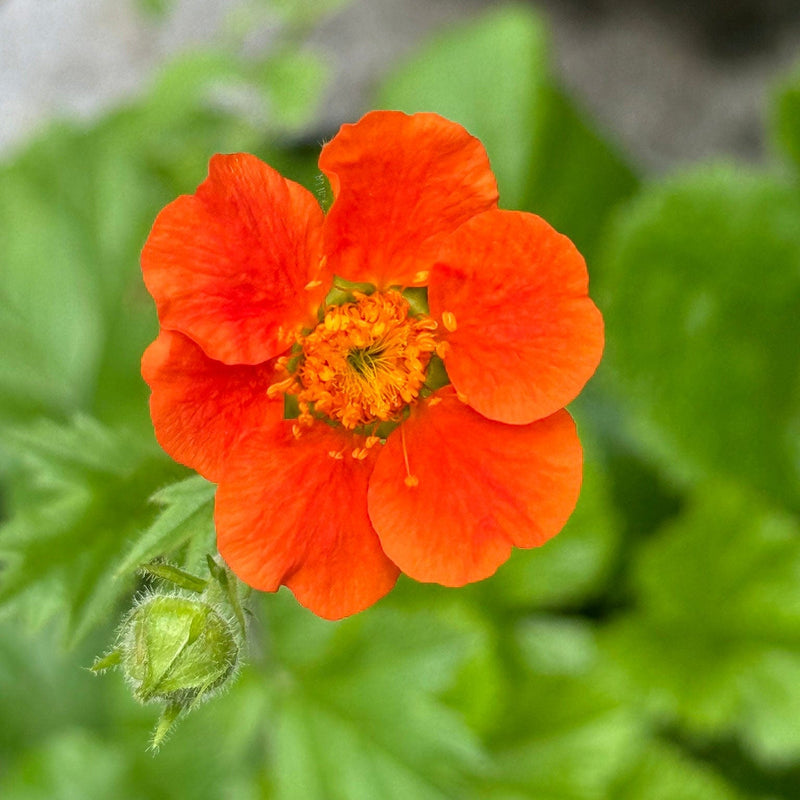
(492, 76)
(293, 82)
(187, 513)
(568, 738)
(664, 773)
(303, 12)
(700, 289)
(575, 178)
(155, 8)
(71, 764)
(357, 710)
(715, 643)
(787, 116)
(50, 314)
(78, 498)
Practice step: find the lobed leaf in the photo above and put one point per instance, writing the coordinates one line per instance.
(714, 645)
(700, 288)
(79, 497)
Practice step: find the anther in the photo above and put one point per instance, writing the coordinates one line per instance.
(337, 455)
(449, 321)
(312, 285)
(411, 481)
(421, 276)
(442, 349)
(280, 387)
(434, 401)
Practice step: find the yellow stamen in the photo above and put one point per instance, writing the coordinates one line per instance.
(449, 321)
(364, 363)
(410, 480)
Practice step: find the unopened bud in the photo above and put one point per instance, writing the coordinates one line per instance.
(177, 649)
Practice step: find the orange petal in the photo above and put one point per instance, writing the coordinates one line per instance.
(228, 266)
(480, 487)
(201, 407)
(523, 335)
(401, 183)
(291, 511)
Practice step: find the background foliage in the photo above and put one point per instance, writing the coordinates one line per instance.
(652, 650)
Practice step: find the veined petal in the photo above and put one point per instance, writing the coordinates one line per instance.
(401, 183)
(293, 511)
(477, 488)
(228, 266)
(522, 334)
(201, 407)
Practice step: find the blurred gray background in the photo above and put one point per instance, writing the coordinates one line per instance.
(671, 82)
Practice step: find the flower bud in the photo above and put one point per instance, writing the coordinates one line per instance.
(177, 649)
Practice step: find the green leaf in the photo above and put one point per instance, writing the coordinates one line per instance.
(567, 737)
(304, 14)
(700, 289)
(187, 508)
(492, 76)
(293, 83)
(358, 713)
(50, 316)
(576, 178)
(787, 116)
(664, 773)
(715, 643)
(79, 495)
(70, 764)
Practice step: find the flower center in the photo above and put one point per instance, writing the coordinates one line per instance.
(365, 362)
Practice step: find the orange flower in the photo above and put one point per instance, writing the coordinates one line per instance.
(342, 451)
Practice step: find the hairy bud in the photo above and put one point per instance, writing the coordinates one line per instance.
(179, 648)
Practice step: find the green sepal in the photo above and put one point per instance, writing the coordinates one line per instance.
(343, 291)
(417, 299)
(167, 719)
(177, 576)
(107, 661)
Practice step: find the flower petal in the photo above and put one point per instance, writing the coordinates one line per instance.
(483, 486)
(228, 265)
(288, 512)
(401, 183)
(201, 407)
(523, 337)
